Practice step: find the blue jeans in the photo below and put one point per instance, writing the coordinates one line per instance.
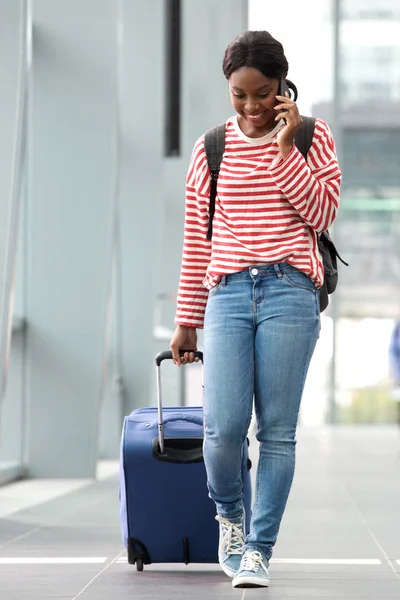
(260, 330)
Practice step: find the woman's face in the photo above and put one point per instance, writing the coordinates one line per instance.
(253, 96)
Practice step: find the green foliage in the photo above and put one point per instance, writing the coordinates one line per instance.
(370, 405)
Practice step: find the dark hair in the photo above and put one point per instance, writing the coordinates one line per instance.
(259, 50)
(256, 49)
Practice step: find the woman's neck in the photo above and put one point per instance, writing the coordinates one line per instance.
(255, 132)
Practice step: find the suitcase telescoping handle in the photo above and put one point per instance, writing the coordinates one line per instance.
(166, 355)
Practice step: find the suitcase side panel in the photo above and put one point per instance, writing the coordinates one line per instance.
(123, 510)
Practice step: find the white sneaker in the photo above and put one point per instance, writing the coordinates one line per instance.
(253, 571)
(231, 540)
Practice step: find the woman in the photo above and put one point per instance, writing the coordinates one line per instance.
(255, 290)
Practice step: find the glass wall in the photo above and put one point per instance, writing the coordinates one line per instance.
(14, 52)
(350, 380)
(368, 226)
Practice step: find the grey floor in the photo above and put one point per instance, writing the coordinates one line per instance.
(340, 537)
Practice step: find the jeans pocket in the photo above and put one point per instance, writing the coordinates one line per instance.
(214, 290)
(300, 280)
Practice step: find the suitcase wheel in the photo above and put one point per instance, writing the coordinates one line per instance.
(139, 564)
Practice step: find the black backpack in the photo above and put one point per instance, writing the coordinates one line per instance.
(214, 144)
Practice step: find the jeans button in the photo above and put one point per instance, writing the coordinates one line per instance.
(254, 271)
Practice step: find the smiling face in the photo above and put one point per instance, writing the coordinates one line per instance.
(253, 96)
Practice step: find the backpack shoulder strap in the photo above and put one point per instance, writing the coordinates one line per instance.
(214, 145)
(304, 136)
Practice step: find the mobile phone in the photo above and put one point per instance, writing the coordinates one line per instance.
(283, 87)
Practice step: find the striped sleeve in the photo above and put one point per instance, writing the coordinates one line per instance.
(312, 188)
(192, 295)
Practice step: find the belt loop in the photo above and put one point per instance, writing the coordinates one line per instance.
(223, 280)
(278, 271)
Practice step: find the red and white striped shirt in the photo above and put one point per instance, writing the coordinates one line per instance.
(268, 210)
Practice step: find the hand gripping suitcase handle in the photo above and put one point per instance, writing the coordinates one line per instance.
(166, 355)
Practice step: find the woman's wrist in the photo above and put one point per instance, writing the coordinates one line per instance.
(286, 149)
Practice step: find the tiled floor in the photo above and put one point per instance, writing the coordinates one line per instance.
(340, 537)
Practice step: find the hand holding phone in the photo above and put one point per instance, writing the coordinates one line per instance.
(289, 113)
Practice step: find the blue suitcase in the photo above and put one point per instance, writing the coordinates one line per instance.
(165, 511)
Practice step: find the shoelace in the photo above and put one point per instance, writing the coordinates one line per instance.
(232, 539)
(253, 561)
